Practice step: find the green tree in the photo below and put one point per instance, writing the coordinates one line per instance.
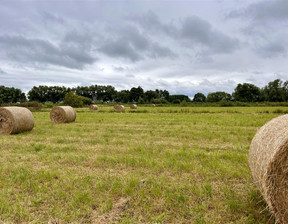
(246, 92)
(178, 98)
(150, 95)
(275, 91)
(11, 95)
(218, 96)
(43, 94)
(199, 97)
(122, 96)
(135, 94)
(71, 99)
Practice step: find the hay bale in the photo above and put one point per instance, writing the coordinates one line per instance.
(119, 107)
(268, 160)
(153, 105)
(133, 106)
(15, 119)
(62, 114)
(93, 107)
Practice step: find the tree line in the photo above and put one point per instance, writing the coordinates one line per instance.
(274, 91)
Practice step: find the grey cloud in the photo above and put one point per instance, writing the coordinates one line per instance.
(193, 30)
(272, 49)
(151, 22)
(120, 48)
(131, 44)
(199, 31)
(119, 68)
(31, 51)
(158, 51)
(264, 10)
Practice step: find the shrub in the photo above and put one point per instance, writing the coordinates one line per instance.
(86, 100)
(71, 99)
(32, 105)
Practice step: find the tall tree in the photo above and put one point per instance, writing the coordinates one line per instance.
(136, 93)
(11, 95)
(246, 92)
(274, 91)
(199, 97)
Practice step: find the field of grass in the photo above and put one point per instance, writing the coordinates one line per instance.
(152, 165)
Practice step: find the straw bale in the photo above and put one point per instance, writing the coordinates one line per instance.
(153, 105)
(62, 114)
(119, 107)
(15, 119)
(93, 107)
(133, 106)
(268, 160)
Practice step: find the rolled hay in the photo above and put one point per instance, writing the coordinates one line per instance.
(93, 107)
(268, 161)
(15, 119)
(133, 106)
(62, 114)
(119, 107)
(153, 105)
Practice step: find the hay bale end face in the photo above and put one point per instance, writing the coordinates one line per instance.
(15, 119)
(62, 114)
(119, 107)
(268, 160)
(93, 107)
(133, 106)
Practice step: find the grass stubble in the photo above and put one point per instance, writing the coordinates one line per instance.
(154, 165)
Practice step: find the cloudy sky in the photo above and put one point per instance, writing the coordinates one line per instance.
(183, 46)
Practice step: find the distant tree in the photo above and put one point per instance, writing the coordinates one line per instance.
(11, 95)
(141, 100)
(47, 93)
(150, 95)
(122, 96)
(275, 91)
(199, 97)
(246, 92)
(162, 94)
(135, 94)
(178, 98)
(218, 96)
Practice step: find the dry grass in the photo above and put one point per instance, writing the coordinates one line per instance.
(15, 119)
(62, 114)
(268, 160)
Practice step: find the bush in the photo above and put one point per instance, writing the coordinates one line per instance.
(33, 105)
(86, 100)
(48, 105)
(71, 99)
(184, 103)
(176, 101)
(141, 100)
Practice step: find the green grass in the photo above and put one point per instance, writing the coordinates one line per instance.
(171, 165)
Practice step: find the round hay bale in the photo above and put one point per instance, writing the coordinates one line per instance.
(153, 105)
(119, 107)
(15, 119)
(93, 107)
(268, 160)
(62, 114)
(133, 106)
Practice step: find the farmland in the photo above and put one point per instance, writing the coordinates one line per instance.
(150, 165)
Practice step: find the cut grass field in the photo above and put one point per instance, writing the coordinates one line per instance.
(152, 165)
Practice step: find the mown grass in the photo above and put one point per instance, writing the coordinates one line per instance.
(172, 165)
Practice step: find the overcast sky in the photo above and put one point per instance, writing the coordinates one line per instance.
(183, 46)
